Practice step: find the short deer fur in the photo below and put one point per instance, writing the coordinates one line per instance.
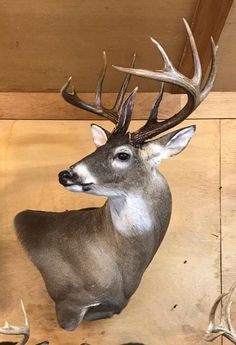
(92, 260)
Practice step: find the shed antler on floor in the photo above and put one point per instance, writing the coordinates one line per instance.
(225, 327)
(16, 330)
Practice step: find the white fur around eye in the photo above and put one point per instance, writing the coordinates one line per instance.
(120, 164)
(117, 163)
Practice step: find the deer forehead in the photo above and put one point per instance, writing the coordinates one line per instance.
(123, 148)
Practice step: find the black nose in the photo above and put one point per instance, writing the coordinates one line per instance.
(66, 177)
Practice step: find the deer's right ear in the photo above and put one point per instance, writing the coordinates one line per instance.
(100, 135)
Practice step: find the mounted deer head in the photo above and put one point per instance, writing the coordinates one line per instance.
(92, 260)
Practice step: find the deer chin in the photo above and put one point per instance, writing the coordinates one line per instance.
(92, 188)
(85, 187)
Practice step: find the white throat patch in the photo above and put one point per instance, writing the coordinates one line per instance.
(130, 214)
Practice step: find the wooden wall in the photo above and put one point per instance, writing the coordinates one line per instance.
(195, 262)
(226, 75)
(43, 42)
(172, 304)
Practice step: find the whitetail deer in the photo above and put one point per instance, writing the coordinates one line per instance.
(225, 327)
(92, 260)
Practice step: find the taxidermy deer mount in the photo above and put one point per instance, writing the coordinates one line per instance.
(92, 260)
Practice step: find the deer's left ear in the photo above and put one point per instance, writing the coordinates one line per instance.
(167, 146)
(100, 135)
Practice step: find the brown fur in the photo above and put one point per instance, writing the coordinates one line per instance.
(91, 268)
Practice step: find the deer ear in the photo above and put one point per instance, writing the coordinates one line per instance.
(169, 145)
(100, 135)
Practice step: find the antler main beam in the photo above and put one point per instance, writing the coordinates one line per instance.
(225, 327)
(15, 330)
(169, 74)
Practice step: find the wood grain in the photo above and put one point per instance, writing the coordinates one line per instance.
(39, 106)
(226, 74)
(185, 272)
(44, 42)
(217, 105)
(208, 20)
(51, 106)
(228, 218)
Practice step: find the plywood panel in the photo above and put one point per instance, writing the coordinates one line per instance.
(30, 105)
(184, 273)
(228, 181)
(226, 75)
(16, 105)
(44, 42)
(208, 21)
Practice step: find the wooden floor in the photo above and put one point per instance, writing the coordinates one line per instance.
(195, 262)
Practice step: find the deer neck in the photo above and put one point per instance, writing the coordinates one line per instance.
(143, 210)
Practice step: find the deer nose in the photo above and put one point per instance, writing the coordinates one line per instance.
(66, 177)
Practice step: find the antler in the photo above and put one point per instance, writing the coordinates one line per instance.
(120, 113)
(192, 87)
(15, 330)
(225, 327)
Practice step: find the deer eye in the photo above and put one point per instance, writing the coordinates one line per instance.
(123, 156)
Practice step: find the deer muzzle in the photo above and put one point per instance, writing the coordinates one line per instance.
(71, 180)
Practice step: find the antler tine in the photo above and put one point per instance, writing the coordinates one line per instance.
(169, 74)
(154, 112)
(211, 78)
(226, 308)
(197, 63)
(97, 108)
(211, 332)
(152, 120)
(225, 327)
(126, 113)
(100, 80)
(123, 89)
(167, 62)
(15, 330)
